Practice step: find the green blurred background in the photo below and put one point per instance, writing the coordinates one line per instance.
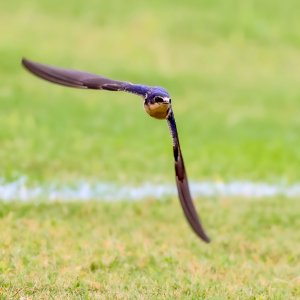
(232, 69)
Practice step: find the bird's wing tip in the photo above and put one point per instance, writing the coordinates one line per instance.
(204, 237)
(25, 62)
(206, 240)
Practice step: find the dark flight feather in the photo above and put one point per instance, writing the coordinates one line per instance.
(73, 78)
(182, 183)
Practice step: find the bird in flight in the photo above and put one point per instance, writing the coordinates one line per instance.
(157, 104)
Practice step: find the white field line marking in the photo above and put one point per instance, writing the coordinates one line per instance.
(20, 190)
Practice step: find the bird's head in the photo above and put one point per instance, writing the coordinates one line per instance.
(157, 103)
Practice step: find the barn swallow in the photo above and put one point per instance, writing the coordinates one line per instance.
(157, 103)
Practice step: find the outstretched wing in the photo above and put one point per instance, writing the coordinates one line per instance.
(79, 79)
(182, 183)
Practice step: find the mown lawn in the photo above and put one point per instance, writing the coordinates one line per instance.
(146, 250)
(232, 69)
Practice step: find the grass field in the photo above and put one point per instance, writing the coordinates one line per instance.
(232, 69)
(137, 250)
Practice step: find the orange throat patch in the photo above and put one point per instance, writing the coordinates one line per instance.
(157, 110)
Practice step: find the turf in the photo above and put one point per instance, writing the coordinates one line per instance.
(146, 250)
(232, 69)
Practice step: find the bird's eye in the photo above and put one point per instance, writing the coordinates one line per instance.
(158, 99)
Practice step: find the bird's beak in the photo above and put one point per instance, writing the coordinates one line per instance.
(166, 100)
